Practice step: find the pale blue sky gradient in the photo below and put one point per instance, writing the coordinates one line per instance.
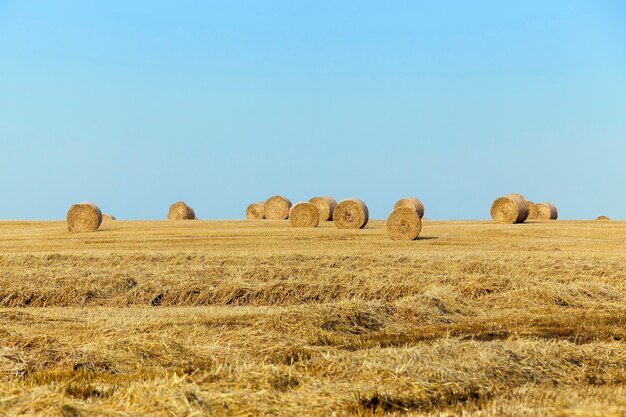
(136, 104)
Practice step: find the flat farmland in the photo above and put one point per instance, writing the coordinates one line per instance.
(259, 318)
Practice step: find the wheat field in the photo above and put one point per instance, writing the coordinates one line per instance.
(193, 318)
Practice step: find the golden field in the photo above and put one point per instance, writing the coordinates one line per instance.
(192, 318)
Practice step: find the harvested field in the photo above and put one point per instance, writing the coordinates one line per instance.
(260, 318)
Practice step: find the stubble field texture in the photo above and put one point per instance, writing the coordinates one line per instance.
(256, 318)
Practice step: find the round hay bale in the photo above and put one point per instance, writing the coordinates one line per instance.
(351, 213)
(524, 201)
(404, 223)
(277, 208)
(508, 210)
(256, 211)
(603, 218)
(532, 210)
(325, 207)
(304, 214)
(83, 217)
(411, 202)
(180, 211)
(546, 211)
(107, 216)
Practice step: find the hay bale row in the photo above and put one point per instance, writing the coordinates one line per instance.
(351, 213)
(514, 208)
(83, 217)
(279, 208)
(108, 216)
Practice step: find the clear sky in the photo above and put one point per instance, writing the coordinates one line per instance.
(137, 104)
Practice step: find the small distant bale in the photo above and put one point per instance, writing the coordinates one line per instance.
(603, 218)
(277, 208)
(546, 211)
(84, 217)
(180, 211)
(509, 209)
(411, 202)
(325, 207)
(304, 214)
(404, 223)
(532, 210)
(107, 216)
(351, 213)
(256, 211)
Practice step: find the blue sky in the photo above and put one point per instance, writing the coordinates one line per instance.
(133, 105)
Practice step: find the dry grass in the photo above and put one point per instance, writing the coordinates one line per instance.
(259, 318)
